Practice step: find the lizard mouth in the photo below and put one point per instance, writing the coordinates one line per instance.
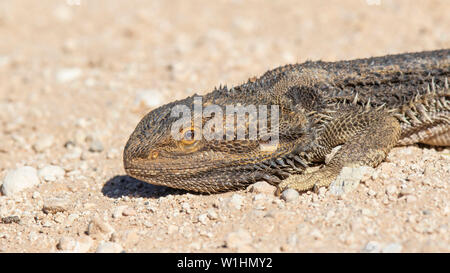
(208, 172)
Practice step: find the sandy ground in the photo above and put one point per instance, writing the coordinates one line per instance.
(76, 76)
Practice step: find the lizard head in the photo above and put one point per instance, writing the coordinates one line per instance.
(202, 152)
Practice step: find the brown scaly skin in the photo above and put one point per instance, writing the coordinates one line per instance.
(365, 106)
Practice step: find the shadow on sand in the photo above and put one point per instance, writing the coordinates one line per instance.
(124, 185)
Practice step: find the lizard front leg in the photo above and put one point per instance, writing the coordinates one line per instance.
(366, 139)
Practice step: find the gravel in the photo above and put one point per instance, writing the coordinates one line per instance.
(60, 94)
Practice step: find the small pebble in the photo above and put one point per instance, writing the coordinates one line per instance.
(238, 239)
(290, 195)
(316, 234)
(185, 207)
(109, 247)
(129, 212)
(43, 143)
(202, 218)
(66, 243)
(372, 192)
(71, 218)
(19, 179)
(74, 153)
(46, 224)
(84, 243)
(68, 74)
(148, 98)
(405, 192)
(212, 215)
(236, 201)
(112, 154)
(391, 190)
(372, 247)
(117, 213)
(99, 229)
(411, 198)
(127, 237)
(59, 218)
(51, 173)
(392, 248)
(10, 220)
(262, 187)
(36, 195)
(96, 146)
(259, 197)
(55, 205)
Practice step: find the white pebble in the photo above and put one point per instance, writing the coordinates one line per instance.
(148, 98)
(99, 229)
(51, 173)
(108, 247)
(55, 205)
(43, 143)
(20, 179)
(391, 190)
(129, 212)
(392, 248)
(112, 154)
(236, 201)
(316, 234)
(262, 187)
(212, 215)
(68, 74)
(238, 239)
(117, 213)
(96, 146)
(290, 195)
(202, 218)
(75, 153)
(66, 244)
(36, 195)
(186, 207)
(372, 247)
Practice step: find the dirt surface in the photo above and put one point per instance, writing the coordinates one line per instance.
(76, 76)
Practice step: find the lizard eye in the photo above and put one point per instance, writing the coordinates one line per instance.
(188, 144)
(153, 154)
(188, 136)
